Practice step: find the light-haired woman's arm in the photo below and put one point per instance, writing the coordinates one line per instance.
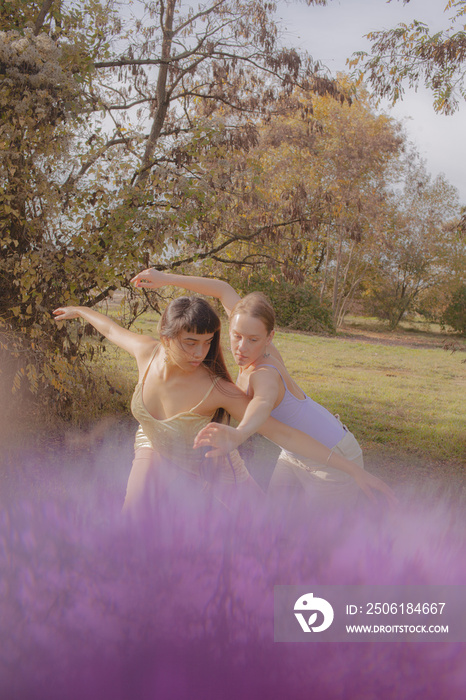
(208, 286)
(224, 438)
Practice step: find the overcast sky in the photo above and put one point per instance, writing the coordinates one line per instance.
(332, 33)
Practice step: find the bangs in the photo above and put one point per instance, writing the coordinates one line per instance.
(190, 314)
(200, 326)
(198, 329)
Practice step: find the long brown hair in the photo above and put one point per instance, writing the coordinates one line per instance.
(195, 315)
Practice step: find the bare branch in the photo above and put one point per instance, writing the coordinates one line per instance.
(71, 180)
(232, 239)
(128, 62)
(41, 16)
(161, 94)
(197, 16)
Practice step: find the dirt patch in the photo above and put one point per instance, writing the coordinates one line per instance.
(418, 473)
(399, 338)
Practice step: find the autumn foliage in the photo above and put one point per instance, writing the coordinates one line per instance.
(188, 139)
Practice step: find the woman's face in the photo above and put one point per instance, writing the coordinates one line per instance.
(188, 350)
(248, 339)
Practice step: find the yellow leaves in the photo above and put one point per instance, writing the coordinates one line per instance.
(32, 376)
(30, 373)
(17, 381)
(441, 104)
(7, 210)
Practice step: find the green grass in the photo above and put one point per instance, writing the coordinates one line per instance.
(408, 399)
(404, 397)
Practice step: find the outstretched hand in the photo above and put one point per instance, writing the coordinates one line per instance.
(369, 484)
(65, 313)
(149, 279)
(223, 438)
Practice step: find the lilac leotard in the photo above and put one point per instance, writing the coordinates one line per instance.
(308, 416)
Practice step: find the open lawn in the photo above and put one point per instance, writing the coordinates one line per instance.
(403, 397)
(405, 404)
(401, 394)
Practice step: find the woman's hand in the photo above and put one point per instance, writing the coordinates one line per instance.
(369, 483)
(223, 437)
(140, 346)
(150, 279)
(65, 313)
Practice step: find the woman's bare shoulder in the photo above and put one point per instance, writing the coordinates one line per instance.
(148, 343)
(223, 386)
(227, 395)
(274, 374)
(147, 346)
(271, 368)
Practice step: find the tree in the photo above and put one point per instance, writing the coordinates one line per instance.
(40, 100)
(312, 190)
(420, 248)
(359, 213)
(104, 118)
(354, 168)
(411, 54)
(455, 313)
(327, 166)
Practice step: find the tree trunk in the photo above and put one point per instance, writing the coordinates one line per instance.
(39, 23)
(161, 94)
(327, 259)
(337, 272)
(337, 312)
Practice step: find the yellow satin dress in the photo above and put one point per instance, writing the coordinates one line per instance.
(172, 441)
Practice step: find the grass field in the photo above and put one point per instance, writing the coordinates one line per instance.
(398, 391)
(404, 397)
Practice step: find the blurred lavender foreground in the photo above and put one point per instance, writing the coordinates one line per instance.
(180, 604)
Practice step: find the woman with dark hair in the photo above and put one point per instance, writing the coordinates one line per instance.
(273, 392)
(184, 386)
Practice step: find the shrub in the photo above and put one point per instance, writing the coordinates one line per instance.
(296, 306)
(455, 313)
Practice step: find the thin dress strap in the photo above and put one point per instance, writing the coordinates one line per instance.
(215, 381)
(150, 362)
